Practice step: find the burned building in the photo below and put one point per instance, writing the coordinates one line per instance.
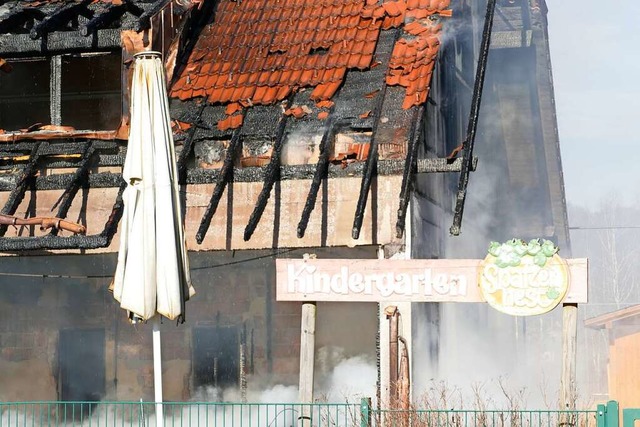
(333, 128)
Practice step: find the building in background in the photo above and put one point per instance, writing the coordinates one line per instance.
(299, 129)
(622, 329)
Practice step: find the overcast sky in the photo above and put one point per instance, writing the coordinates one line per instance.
(595, 54)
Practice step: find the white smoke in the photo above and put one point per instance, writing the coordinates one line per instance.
(350, 379)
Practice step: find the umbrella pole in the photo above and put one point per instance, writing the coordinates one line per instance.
(157, 372)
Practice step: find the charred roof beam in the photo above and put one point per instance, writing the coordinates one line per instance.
(320, 174)
(111, 225)
(103, 19)
(407, 175)
(187, 147)
(144, 22)
(370, 170)
(106, 16)
(19, 244)
(52, 242)
(22, 18)
(18, 192)
(59, 41)
(60, 17)
(272, 174)
(226, 175)
(80, 177)
(467, 145)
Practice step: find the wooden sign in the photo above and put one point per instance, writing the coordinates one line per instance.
(526, 289)
(415, 280)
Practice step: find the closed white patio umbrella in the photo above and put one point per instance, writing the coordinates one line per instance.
(152, 275)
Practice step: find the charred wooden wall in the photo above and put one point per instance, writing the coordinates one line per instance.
(517, 189)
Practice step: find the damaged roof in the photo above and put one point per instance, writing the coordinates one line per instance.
(259, 52)
(348, 77)
(23, 22)
(267, 75)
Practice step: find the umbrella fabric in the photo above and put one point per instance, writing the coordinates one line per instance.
(152, 274)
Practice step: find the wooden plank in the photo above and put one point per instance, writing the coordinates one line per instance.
(307, 351)
(569, 351)
(414, 280)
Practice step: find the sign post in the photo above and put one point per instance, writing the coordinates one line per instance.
(307, 361)
(569, 351)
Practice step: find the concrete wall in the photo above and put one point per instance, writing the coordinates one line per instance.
(235, 290)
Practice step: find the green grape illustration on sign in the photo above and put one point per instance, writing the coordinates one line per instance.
(523, 278)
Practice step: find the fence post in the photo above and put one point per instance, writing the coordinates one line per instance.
(601, 420)
(612, 414)
(365, 412)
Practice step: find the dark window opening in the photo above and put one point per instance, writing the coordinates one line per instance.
(81, 365)
(91, 91)
(215, 356)
(24, 94)
(82, 91)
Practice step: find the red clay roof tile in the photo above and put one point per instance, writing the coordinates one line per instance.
(230, 122)
(259, 94)
(325, 104)
(237, 92)
(365, 61)
(318, 92)
(297, 112)
(257, 52)
(197, 93)
(232, 108)
(306, 77)
(283, 92)
(247, 92)
(395, 8)
(270, 95)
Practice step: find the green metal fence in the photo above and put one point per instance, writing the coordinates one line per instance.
(214, 414)
(176, 414)
(488, 418)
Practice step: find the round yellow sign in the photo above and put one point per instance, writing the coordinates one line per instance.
(525, 289)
